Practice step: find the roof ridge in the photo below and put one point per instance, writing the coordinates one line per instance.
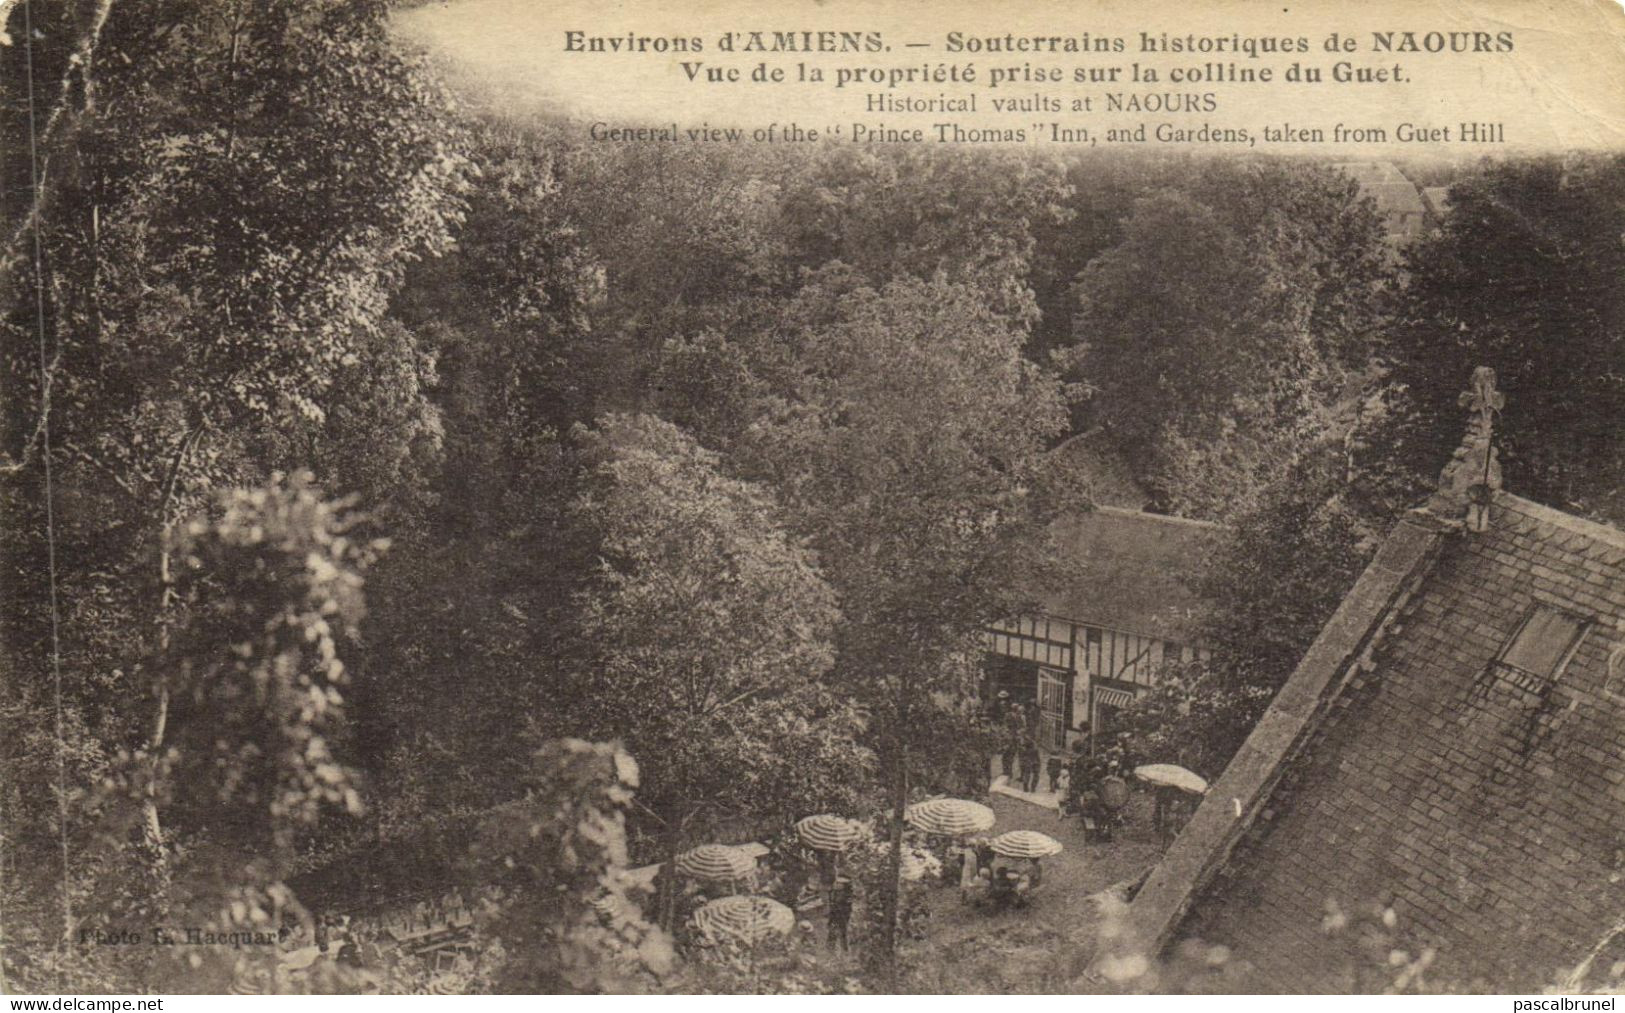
(1597, 530)
(1192, 521)
(1295, 714)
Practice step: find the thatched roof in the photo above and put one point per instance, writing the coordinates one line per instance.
(1129, 570)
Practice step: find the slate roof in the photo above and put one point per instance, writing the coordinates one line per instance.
(1128, 570)
(1399, 203)
(1402, 766)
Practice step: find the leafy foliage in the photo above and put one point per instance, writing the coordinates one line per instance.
(220, 243)
(269, 588)
(703, 638)
(1196, 715)
(505, 356)
(553, 865)
(1229, 319)
(1275, 578)
(905, 211)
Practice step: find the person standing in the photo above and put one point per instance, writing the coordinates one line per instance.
(826, 870)
(840, 912)
(1011, 733)
(1002, 886)
(1128, 753)
(1080, 781)
(1030, 762)
(968, 870)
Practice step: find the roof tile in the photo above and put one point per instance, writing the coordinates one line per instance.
(1431, 784)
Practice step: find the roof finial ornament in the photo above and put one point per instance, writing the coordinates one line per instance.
(1470, 479)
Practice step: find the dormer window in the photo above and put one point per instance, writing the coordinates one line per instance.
(1540, 650)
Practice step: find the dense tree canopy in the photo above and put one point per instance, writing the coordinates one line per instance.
(1231, 316)
(905, 436)
(705, 468)
(703, 639)
(222, 200)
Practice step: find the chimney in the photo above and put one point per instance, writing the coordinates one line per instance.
(1470, 479)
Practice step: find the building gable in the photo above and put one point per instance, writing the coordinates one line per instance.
(1451, 747)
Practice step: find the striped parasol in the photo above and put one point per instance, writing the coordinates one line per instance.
(950, 817)
(452, 983)
(1025, 844)
(714, 862)
(748, 919)
(249, 984)
(1172, 776)
(827, 832)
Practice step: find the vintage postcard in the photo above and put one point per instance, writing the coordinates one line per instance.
(814, 497)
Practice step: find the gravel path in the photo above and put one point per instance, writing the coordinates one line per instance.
(1043, 947)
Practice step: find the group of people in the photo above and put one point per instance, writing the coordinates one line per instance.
(1024, 765)
(983, 874)
(1093, 784)
(1018, 726)
(1097, 784)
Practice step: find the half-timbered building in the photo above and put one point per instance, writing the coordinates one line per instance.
(1122, 610)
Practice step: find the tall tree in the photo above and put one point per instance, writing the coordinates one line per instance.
(226, 198)
(702, 641)
(1274, 577)
(511, 362)
(557, 858)
(905, 438)
(267, 591)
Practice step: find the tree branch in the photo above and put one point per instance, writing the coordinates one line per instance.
(79, 63)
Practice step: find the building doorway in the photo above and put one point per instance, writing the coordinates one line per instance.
(1054, 697)
(1042, 687)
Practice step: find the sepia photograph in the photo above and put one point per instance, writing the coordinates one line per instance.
(504, 497)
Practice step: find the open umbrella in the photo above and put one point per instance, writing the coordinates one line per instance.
(1025, 844)
(827, 832)
(447, 984)
(714, 862)
(1169, 775)
(298, 960)
(950, 817)
(748, 919)
(249, 984)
